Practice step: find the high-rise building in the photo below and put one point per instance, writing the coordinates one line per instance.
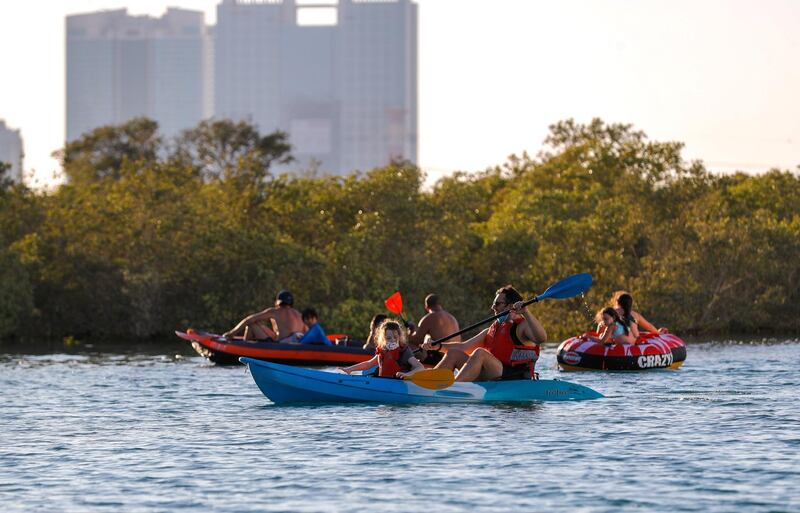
(11, 151)
(121, 66)
(339, 77)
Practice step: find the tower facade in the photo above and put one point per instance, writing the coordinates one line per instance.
(339, 78)
(11, 150)
(121, 66)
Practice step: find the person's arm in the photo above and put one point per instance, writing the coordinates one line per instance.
(634, 331)
(467, 346)
(586, 337)
(644, 323)
(260, 316)
(424, 327)
(361, 366)
(416, 366)
(532, 329)
(605, 335)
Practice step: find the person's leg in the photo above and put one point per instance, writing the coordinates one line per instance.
(293, 338)
(452, 360)
(481, 365)
(255, 331)
(315, 335)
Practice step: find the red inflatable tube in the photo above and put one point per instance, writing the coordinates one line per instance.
(651, 351)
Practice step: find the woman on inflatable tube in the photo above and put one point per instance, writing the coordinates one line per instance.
(622, 302)
(631, 350)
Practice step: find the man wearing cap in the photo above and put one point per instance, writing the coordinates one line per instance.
(286, 323)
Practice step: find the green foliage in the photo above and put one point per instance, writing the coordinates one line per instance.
(16, 293)
(5, 181)
(101, 152)
(222, 149)
(149, 237)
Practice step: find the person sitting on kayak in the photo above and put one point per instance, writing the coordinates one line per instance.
(508, 349)
(376, 321)
(392, 354)
(315, 333)
(611, 328)
(286, 322)
(622, 301)
(438, 323)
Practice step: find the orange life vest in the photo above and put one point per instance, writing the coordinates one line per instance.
(389, 362)
(500, 343)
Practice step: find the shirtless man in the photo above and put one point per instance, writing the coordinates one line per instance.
(286, 323)
(436, 323)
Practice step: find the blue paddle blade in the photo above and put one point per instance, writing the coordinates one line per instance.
(568, 287)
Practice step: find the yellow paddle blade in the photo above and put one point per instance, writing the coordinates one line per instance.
(435, 379)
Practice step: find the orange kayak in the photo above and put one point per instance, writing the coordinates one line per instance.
(227, 351)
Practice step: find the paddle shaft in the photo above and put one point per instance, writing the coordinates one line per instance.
(481, 323)
(568, 287)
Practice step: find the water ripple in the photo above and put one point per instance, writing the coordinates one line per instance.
(138, 433)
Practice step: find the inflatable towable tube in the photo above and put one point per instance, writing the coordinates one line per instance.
(651, 351)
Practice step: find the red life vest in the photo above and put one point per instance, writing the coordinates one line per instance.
(500, 343)
(389, 362)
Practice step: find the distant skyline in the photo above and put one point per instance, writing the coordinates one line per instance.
(120, 67)
(11, 151)
(721, 76)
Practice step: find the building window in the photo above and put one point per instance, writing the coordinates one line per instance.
(317, 16)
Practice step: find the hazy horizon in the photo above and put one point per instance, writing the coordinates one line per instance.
(720, 76)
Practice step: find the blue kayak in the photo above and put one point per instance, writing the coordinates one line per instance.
(285, 384)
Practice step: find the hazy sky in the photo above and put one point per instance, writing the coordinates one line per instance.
(723, 76)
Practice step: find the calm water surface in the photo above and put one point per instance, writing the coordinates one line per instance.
(105, 432)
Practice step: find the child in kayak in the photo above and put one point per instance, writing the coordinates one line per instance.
(392, 354)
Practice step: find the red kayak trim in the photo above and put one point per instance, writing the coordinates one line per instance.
(226, 351)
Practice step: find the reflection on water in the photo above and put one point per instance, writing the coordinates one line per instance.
(154, 428)
(100, 349)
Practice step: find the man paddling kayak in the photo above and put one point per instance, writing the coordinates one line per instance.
(507, 349)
